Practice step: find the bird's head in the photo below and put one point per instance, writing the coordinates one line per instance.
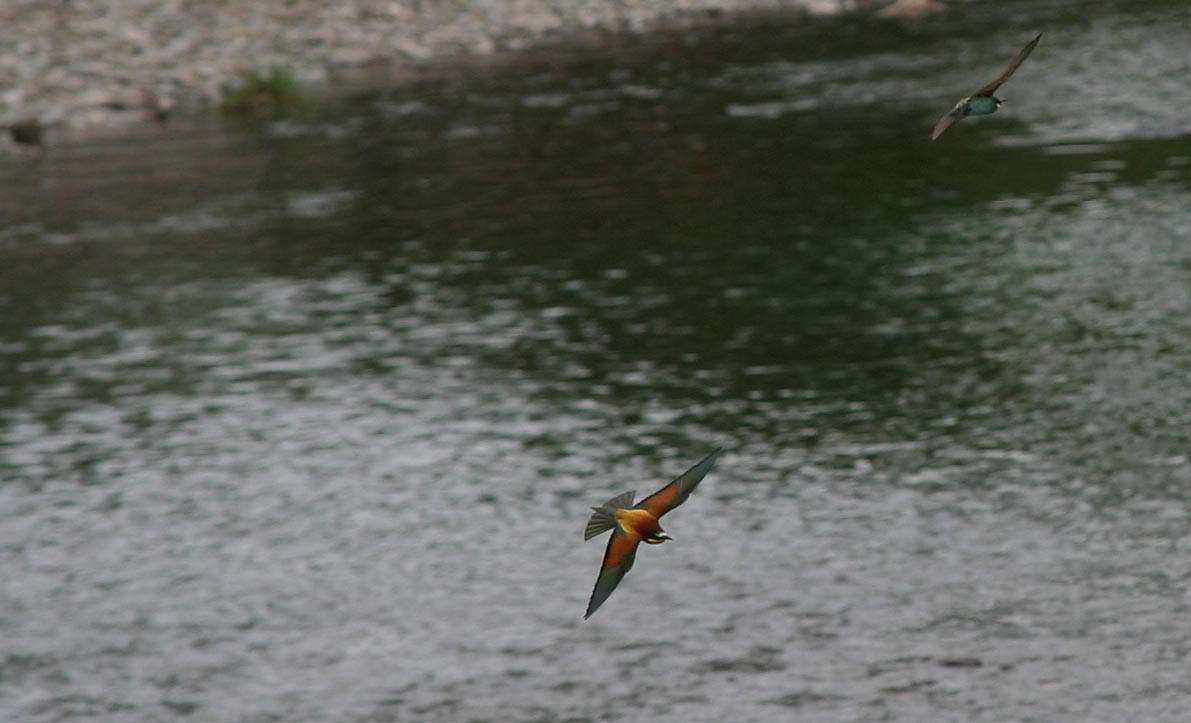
(998, 101)
(658, 538)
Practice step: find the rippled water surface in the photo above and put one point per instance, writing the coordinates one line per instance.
(300, 419)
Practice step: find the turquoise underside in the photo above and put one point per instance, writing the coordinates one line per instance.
(982, 106)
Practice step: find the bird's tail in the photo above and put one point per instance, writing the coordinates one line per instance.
(603, 518)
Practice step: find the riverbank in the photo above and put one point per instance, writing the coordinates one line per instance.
(89, 64)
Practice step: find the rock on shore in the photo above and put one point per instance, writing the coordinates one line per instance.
(88, 63)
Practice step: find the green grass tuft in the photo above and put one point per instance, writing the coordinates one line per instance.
(259, 91)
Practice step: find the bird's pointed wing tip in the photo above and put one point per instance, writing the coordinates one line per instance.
(712, 457)
(944, 123)
(618, 560)
(1011, 68)
(675, 493)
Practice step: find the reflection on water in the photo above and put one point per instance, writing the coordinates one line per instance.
(301, 420)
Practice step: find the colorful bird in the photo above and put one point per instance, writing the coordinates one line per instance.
(983, 102)
(631, 524)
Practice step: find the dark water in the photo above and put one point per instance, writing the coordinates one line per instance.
(300, 420)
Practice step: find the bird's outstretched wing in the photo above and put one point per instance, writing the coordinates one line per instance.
(618, 560)
(1000, 79)
(675, 493)
(946, 122)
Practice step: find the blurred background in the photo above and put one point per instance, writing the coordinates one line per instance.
(302, 414)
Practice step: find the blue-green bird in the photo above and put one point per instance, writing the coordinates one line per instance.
(983, 102)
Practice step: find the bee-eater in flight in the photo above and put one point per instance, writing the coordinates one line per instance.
(632, 524)
(983, 102)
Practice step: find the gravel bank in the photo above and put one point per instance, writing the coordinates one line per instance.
(93, 63)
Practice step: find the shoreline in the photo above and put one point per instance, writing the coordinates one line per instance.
(107, 64)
